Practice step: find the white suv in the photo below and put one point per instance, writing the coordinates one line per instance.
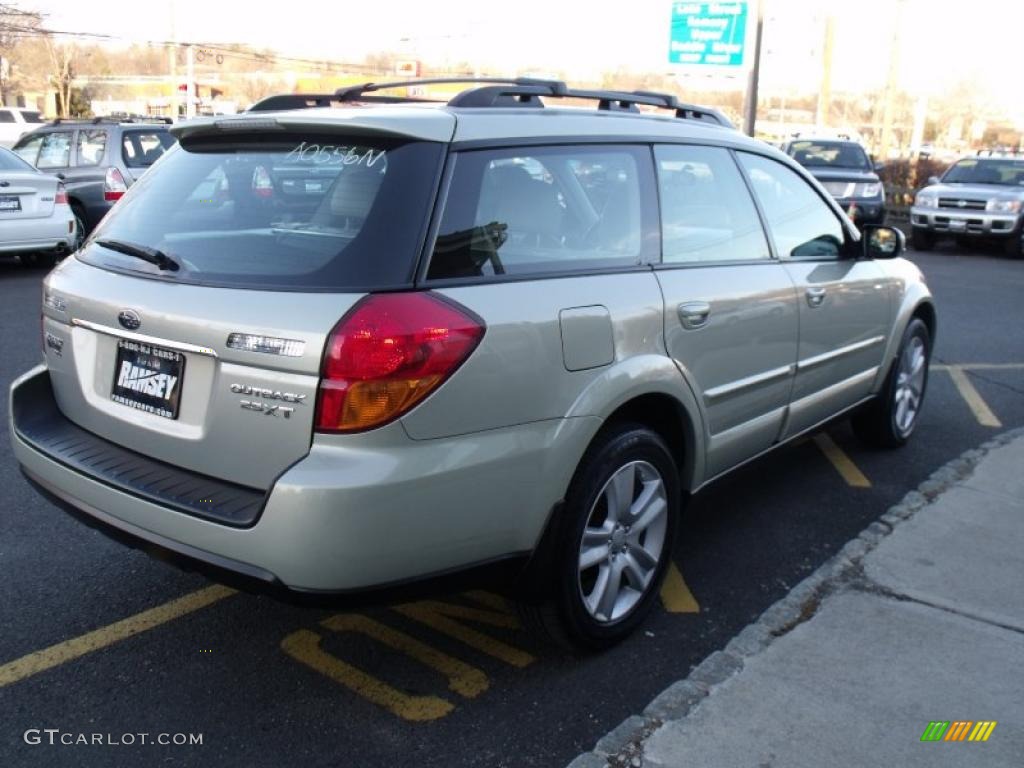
(15, 122)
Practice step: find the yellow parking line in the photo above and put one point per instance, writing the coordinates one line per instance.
(675, 595)
(973, 398)
(844, 464)
(58, 654)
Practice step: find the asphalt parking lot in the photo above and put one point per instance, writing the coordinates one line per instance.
(102, 639)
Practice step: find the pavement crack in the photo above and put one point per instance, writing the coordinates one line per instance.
(866, 586)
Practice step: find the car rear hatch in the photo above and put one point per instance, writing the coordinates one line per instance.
(267, 234)
(26, 195)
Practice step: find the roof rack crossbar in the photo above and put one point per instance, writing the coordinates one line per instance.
(497, 92)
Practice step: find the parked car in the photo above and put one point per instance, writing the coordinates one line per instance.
(14, 122)
(845, 169)
(36, 222)
(330, 349)
(977, 198)
(97, 159)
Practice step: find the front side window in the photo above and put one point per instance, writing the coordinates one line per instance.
(56, 150)
(91, 145)
(706, 211)
(801, 223)
(289, 211)
(544, 209)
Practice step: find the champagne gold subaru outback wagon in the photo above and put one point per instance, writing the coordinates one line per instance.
(355, 340)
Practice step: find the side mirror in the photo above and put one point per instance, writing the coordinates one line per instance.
(933, 179)
(879, 167)
(883, 242)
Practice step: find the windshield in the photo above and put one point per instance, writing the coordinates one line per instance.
(989, 171)
(297, 212)
(830, 154)
(11, 162)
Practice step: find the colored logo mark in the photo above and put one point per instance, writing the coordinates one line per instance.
(959, 730)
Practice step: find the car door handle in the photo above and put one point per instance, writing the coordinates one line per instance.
(815, 297)
(694, 314)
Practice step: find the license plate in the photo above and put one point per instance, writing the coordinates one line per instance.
(10, 203)
(957, 224)
(148, 378)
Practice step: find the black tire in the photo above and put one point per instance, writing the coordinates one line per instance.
(37, 259)
(1013, 246)
(922, 239)
(878, 424)
(80, 227)
(563, 615)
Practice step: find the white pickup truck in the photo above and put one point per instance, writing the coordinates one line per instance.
(15, 121)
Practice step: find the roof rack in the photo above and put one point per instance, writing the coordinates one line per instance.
(497, 92)
(1008, 152)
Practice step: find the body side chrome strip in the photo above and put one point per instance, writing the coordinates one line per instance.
(824, 357)
(750, 381)
(143, 338)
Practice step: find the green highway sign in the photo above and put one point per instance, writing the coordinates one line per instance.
(708, 34)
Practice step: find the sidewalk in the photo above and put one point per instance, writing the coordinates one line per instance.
(920, 619)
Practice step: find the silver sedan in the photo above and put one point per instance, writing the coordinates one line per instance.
(36, 222)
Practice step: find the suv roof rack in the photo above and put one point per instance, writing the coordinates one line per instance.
(110, 119)
(497, 92)
(1009, 152)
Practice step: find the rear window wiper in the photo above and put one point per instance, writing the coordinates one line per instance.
(152, 255)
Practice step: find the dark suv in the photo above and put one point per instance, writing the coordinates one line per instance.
(97, 159)
(846, 170)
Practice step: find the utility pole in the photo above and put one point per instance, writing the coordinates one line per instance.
(891, 82)
(750, 108)
(821, 119)
(190, 83)
(172, 60)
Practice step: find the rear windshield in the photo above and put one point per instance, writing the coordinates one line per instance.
(11, 162)
(295, 212)
(140, 149)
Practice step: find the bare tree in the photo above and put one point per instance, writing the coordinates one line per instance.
(62, 73)
(15, 24)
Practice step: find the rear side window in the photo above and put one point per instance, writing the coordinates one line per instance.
(802, 225)
(140, 149)
(299, 212)
(28, 149)
(544, 209)
(706, 212)
(91, 145)
(6, 116)
(56, 150)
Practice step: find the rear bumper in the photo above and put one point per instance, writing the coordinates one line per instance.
(53, 233)
(353, 515)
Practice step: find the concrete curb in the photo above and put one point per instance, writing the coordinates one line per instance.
(622, 746)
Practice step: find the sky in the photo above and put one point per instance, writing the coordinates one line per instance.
(942, 43)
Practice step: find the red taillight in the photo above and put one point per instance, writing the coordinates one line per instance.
(62, 195)
(262, 186)
(388, 353)
(114, 185)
